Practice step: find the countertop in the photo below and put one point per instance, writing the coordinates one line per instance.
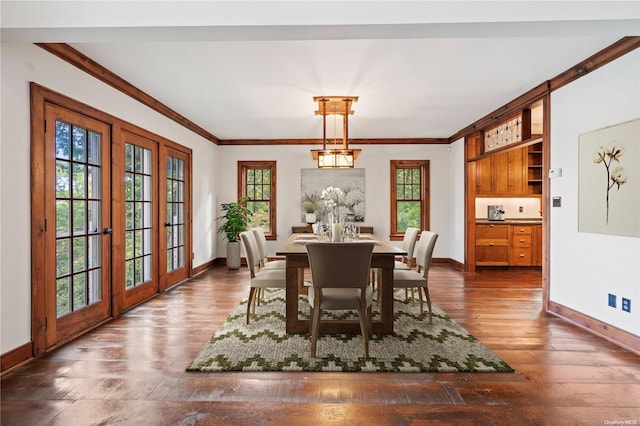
(511, 221)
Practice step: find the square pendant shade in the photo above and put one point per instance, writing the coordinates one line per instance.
(335, 158)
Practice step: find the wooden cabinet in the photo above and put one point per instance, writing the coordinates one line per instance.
(508, 245)
(492, 245)
(534, 168)
(502, 174)
(521, 246)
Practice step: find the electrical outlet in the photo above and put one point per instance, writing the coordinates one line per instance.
(612, 300)
(626, 304)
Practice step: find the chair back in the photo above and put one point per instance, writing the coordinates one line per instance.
(339, 265)
(424, 251)
(409, 243)
(251, 251)
(261, 243)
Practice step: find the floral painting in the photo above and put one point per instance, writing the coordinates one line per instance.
(609, 180)
(349, 200)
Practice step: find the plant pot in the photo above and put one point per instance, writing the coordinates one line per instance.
(233, 255)
(310, 218)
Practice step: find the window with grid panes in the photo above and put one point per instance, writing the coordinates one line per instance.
(257, 180)
(409, 196)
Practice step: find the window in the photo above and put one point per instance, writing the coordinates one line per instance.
(257, 180)
(409, 196)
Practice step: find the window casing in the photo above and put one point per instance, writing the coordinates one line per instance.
(409, 196)
(257, 180)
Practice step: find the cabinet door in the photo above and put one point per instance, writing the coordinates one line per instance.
(517, 172)
(501, 173)
(483, 177)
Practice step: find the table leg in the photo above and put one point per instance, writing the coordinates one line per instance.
(386, 301)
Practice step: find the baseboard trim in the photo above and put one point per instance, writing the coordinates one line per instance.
(16, 357)
(608, 332)
(449, 261)
(201, 268)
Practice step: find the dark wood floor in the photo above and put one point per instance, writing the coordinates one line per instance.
(132, 370)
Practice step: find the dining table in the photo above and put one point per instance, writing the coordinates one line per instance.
(382, 258)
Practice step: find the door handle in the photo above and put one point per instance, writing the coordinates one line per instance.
(107, 231)
(167, 224)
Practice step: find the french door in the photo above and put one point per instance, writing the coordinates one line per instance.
(136, 233)
(77, 224)
(175, 228)
(110, 217)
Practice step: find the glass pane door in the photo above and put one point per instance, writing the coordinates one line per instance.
(175, 221)
(138, 229)
(79, 255)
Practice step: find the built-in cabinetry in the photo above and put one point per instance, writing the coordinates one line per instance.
(502, 174)
(508, 245)
(492, 245)
(534, 168)
(517, 172)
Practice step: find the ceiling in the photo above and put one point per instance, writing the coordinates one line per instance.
(250, 70)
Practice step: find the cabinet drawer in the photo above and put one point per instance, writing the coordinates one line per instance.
(522, 256)
(492, 255)
(521, 240)
(518, 229)
(492, 232)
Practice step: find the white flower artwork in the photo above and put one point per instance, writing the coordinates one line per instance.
(609, 180)
(343, 187)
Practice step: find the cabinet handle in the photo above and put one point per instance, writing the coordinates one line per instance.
(491, 244)
(522, 240)
(522, 255)
(521, 229)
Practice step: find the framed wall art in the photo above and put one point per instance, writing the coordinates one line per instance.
(609, 180)
(350, 181)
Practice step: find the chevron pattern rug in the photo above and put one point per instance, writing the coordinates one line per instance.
(415, 346)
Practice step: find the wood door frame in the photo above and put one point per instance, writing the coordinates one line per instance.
(39, 96)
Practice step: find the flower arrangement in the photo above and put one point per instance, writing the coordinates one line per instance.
(331, 197)
(617, 175)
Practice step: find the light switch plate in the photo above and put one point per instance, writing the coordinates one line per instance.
(555, 173)
(556, 201)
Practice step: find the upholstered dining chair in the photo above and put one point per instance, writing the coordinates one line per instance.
(340, 280)
(261, 241)
(419, 278)
(408, 245)
(266, 278)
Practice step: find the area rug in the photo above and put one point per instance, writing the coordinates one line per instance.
(415, 345)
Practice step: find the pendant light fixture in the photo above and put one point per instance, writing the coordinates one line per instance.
(337, 157)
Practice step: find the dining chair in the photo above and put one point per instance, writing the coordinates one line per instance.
(260, 279)
(340, 280)
(261, 241)
(419, 278)
(408, 245)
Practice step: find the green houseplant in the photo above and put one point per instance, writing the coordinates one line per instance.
(235, 219)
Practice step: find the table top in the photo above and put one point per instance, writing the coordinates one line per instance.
(295, 244)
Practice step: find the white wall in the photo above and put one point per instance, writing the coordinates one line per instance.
(22, 63)
(586, 267)
(374, 158)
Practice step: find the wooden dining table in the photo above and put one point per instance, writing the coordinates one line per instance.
(383, 257)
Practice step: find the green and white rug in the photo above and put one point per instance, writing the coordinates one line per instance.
(414, 346)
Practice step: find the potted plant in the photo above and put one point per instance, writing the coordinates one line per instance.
(235, 219)
(309, 207)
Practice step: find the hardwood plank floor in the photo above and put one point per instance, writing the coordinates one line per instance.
(132, 370)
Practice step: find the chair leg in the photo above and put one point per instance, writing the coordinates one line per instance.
(252, 295)
(426, 293)
(420, 297)
(315, 326)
